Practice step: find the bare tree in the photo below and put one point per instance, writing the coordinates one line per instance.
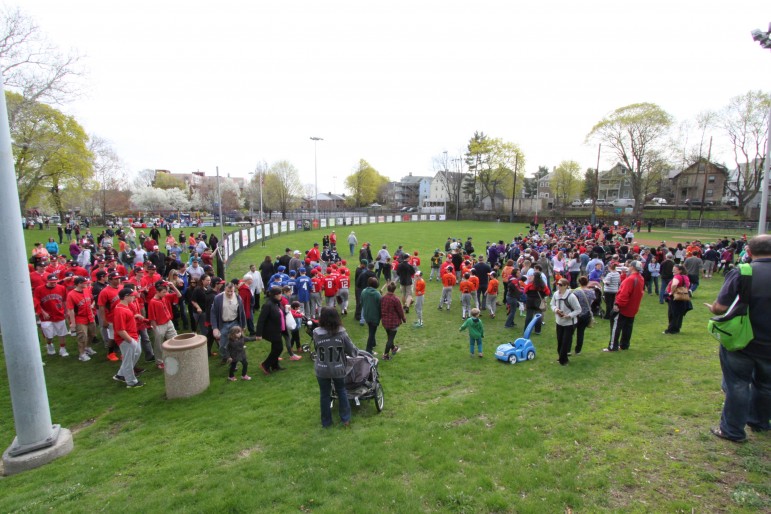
(32, 65)
(451, 177)
(282, 186)
(744, 121)
(109, 172)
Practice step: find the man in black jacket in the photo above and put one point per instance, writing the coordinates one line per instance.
(270, 326)
(405, 271)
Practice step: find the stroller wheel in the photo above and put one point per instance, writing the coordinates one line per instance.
(379, 399)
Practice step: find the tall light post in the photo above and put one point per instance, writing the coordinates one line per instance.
(764, 38)
(316, 173)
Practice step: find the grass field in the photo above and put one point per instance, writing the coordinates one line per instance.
(624, 432)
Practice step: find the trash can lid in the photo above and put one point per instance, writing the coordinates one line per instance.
(183, 342)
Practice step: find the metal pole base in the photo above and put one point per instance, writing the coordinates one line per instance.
(18, 458)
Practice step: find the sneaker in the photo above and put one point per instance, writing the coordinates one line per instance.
(118, 378)
(136, 384)
(406, 309)
(471, 355)
(480, 355)
(245, 377)
(386, 357)
(265, 370)
(161, 366)
(439, 308)
(83, 357)
(50, 349)
(608, 350)
(232, 379)
(112, 357)
(395, 350)
(63, 351)
(138, 371)
(280, 358)
(90, 351)
(295, 357)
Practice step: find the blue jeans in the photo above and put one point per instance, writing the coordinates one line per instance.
(513, 308)
(663, 289)
(477, 341)
(224, 329)
(747, 387)
(351, 247)
(325, 399)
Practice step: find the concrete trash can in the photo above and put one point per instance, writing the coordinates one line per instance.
(186, 365)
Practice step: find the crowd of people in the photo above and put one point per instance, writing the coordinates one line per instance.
(138, 296)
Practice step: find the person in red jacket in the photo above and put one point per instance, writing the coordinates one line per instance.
(126, 336)
(625, 308)
(245, 292)
(49, 302)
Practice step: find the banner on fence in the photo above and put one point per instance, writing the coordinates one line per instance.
(283, 227)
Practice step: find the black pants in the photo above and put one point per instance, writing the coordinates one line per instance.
(391, 333)
(564, 341)
(371, 343)
(583, 322)
(244, 366)
(610, 299)
(271, 362)
(620, 331)
(676, 313)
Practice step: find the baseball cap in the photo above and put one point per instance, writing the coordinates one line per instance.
(114, 274)
(151, 266)
(80, 280)
(292, 273)
(418, 273)
(138, 269)
(297, 252)
(155, 247)
(100, 274)
(126, 291)
(302, 270)
(52, 277)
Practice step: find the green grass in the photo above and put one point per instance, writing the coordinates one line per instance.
(626, 432)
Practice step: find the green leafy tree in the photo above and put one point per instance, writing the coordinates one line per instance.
(168, 181)
(566, 181)
(365, 185)
(590, 183)
(50, 150)
(484, 177)
(632, 132)
(283, 188)
(509, 160)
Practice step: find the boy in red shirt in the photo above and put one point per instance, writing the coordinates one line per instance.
(420, 293)
(126, 336)
(448, 282)
(330, 284)
(82, 319)
(492, 293)
(159, 314)
(49, 301)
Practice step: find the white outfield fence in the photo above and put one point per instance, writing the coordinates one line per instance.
(247, 237)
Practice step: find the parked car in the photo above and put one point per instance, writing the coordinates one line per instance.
(588, 202)
(623, 202)
(601, 202)
(708, 203)
(659, 201)
(576, 203)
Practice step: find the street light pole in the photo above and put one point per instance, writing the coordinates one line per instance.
(764, 39)
(316, 173)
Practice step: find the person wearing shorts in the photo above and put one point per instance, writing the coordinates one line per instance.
(50, 301)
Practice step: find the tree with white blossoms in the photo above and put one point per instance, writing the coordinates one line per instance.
(153, 199)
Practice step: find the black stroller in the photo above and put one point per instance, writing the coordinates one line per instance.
(362, 382)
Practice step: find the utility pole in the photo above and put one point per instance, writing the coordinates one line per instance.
(596, 187)
(706, 175)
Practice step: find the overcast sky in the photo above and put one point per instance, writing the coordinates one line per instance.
(190, 85)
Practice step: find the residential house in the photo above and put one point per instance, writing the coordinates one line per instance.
(736, 180)
(412, 191)
(702, 179)
(442, 191)
(614, 183)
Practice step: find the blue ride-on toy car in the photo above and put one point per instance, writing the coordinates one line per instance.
(521, 349)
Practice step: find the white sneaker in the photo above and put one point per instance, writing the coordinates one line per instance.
(84, 357)
(90, 351)
(63, 351)
(50, 348)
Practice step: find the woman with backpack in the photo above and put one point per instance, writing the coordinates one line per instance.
(566, 310)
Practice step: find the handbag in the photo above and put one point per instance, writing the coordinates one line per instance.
(734, 329)
(681, 294)
(542, 305)
(291, 324)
